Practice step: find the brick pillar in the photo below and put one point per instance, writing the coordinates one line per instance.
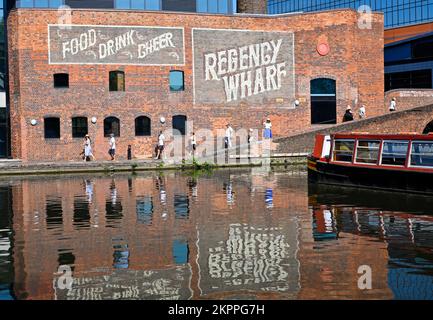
(252, 6)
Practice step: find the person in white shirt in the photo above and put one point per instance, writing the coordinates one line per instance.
(268, 129)
(161, 140)
(228, 137)
(362, 112)
(193, 141)
(392, 105)
(112, 150)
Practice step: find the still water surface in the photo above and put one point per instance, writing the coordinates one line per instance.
(231, 234)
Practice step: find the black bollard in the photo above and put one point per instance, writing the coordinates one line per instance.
(129, 152)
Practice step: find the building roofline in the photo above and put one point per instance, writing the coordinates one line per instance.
(423, 35)
(239, 15)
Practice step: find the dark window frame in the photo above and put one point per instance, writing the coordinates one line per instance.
(108, 126)
(61, 80)
(114, 77)
(141, 130)
(49, 131)
(179, 131)
(78, 129)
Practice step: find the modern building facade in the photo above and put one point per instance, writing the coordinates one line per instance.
(396, 12)
(208, 70)
(409, 63)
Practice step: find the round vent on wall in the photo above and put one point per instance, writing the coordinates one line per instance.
(323, 49)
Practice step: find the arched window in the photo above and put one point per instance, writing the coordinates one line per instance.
(52, 128)
(179, 125)
(428, 128)
(176, 80)
(117, 80)
(142, 126)
(111, 125)
(323, 101)
(61, 80)
(79, 127)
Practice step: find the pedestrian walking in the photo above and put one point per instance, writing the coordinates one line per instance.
(392, 105)
(348, 115)
(112, 150)
(268, 129)
(161, 140)
(88, 149)
(362, 112)
(228, 136)
(193, 142)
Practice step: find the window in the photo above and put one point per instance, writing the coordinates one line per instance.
(343, 150)
(138, 4)
(179, 5)
(61, 80)
(422, 154)
(367, 151)
(214, 6)
(111, 125)
(52, 128)
(117, 80)
(423, 49)
(79, 127)
(142, 126)
(394, 153)
(323, 101)
(410, 79)
(176, 81)
(179, 125)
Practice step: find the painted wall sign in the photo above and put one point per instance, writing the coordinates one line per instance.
(129, 45)
(232, 66)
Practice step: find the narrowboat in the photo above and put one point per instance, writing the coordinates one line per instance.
(397, 162)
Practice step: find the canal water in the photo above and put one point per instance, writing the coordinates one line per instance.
(255, 233)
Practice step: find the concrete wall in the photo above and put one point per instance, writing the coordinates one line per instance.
(355, 61)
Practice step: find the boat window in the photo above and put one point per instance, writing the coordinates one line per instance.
(367, 151)
(422, 154)
(343, 150)
(394, 153)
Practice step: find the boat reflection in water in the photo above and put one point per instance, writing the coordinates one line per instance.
(404, 222)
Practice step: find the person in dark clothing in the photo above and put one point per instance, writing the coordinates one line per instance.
(348, 116)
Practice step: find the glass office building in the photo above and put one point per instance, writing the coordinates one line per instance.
(396, 12)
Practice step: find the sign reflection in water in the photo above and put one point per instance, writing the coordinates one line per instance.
(230, 234)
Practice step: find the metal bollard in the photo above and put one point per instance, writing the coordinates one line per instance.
(129, 152)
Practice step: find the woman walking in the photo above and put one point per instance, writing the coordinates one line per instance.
(88, 148)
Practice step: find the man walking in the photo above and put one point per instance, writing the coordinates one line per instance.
(228, 136)
(161, 139)
(112, 150)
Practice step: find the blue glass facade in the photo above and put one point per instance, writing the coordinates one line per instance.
(396, 12)
(204, 6)
(409, 63)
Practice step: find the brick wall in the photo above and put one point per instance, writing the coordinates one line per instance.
(410, 120)
(355, 61)
(408, 98)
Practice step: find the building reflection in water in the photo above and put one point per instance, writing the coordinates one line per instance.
(162, 239)
(145, 210)
(407, 235)
(113, 208)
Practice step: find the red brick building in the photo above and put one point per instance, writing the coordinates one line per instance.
(121, 71)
